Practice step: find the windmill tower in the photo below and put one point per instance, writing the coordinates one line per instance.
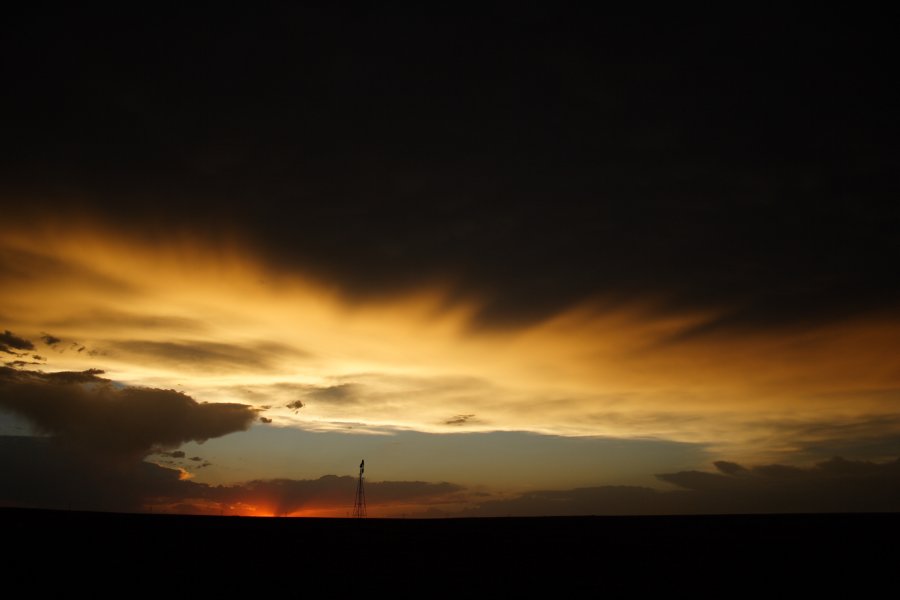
(359, 504)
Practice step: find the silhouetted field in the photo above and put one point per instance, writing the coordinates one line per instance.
(709, 556)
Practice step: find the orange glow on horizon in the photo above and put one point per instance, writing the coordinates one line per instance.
(199, 506)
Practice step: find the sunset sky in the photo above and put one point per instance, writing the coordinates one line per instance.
(531, 263)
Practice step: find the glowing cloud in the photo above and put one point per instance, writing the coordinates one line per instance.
(213, 321)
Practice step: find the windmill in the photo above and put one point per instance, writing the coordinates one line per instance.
(359, 504)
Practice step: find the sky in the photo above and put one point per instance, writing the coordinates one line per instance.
(523, 263)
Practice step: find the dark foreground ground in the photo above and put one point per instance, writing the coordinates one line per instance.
(712, 556)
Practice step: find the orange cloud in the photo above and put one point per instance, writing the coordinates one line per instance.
(211, 319)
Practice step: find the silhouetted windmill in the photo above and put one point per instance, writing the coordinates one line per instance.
(359, 505)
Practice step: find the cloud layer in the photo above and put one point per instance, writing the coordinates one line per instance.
(835, 485)
(536, 172)
(91, 412)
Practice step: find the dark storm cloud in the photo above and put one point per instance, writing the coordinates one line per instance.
(533, 160)
(10, 342)
(835, 485)
(206, 355)
(93, 414)
(41, 473)
(295, 405)
(265, 420)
